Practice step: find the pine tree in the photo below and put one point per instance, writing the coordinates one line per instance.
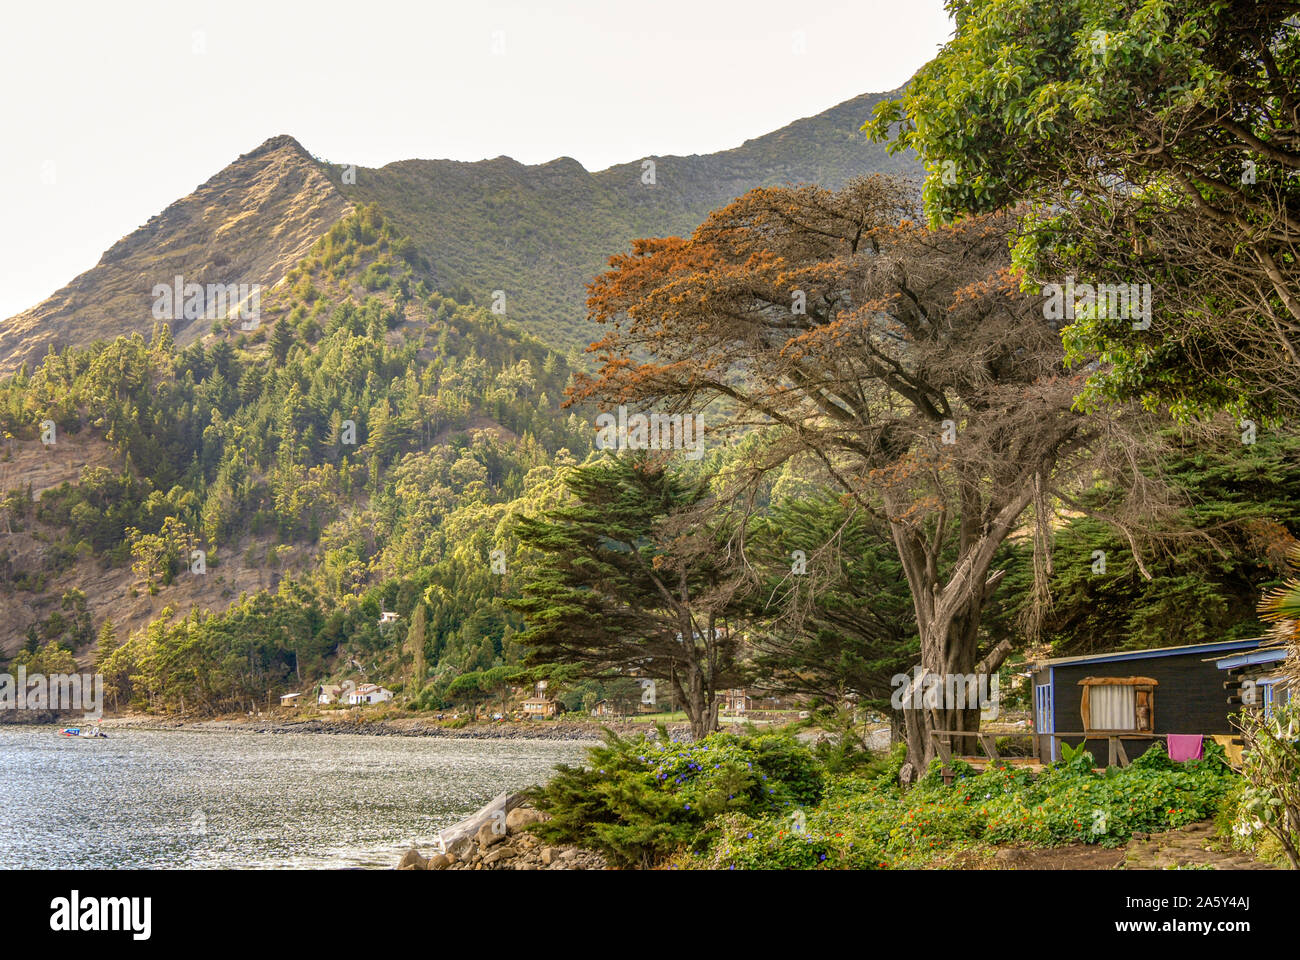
(108, 643)
(281, 340)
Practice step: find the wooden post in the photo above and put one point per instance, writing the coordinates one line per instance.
(990, 744)
(944, 749)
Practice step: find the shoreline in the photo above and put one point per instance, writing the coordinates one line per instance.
(387, 727)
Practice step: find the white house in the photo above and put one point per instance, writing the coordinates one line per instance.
(329, 693)
(369, 693)
(387, 616)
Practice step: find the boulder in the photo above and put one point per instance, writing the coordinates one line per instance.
(548, 855)
(462, 847)
(439, 861)
(488, 835)
(521, 817)
(411, 860)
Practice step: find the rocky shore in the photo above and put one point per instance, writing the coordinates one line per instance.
(399, 726)
(505, 846)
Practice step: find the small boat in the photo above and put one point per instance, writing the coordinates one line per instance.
(86, 733)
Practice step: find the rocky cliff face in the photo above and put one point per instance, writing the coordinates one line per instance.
(249, 224)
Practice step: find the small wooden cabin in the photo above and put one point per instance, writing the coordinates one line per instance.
(1112, 699)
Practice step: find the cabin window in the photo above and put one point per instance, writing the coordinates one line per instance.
(1125, 704)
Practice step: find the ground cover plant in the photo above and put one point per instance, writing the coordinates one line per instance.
(768, 802)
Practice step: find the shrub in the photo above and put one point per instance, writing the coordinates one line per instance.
(1270, 803)
(874, 824)
(641, 799)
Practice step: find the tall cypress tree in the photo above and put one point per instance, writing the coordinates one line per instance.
(631, 582)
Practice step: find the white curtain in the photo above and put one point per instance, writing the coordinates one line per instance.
(1112, 707)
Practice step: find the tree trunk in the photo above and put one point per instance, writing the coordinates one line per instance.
(700, 705)
(948, 609)
(948, 652)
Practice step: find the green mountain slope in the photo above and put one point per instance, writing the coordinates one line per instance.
(540, 233)
(330, 446)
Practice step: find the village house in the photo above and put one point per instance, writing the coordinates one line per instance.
(539, 704)
(741, 700)
(736, 701)
(541, 707)
(369, 693)
(290, 700)
(329, 693)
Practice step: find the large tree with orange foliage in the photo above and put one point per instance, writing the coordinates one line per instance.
(898, 362)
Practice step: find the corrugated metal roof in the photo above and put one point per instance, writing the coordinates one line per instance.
(1262, 655)
(1121, 655)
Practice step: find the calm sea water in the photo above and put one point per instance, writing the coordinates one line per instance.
(191, 799)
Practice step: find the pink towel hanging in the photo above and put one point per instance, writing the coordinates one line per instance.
(1186, 746)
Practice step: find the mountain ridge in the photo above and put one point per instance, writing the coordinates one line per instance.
(219, 233)
(539, 232)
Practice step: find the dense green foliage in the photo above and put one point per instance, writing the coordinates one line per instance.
(767, 802)
(1269, 803)
(1206, 576)
(638, 800)
(1152, 141)
(367, 443)
(873, 825)
(628, 580)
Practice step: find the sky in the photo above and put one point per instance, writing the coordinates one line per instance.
(113, 111)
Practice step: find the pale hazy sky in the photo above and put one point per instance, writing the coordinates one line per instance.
(110, 111)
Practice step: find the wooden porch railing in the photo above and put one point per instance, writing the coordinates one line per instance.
(987, 740)
(1116, 754)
